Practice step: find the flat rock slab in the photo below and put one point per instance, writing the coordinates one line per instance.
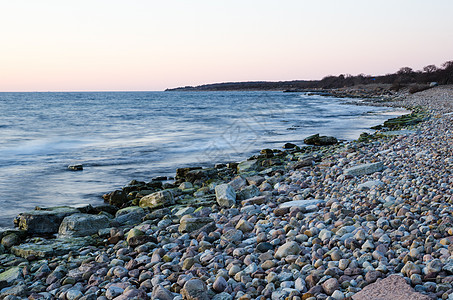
(43, 221)
(393, 287)
(398, 132)
(10, 276)
(364, 169)
(301, 203)
(48, 248)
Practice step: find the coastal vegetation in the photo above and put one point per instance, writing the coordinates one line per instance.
(404, 77)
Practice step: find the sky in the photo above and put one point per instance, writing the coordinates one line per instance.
(146, 45)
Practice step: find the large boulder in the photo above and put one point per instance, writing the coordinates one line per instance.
(158, 199)
(43, 221)
(318, 140)
(225, 195)
(82, 225)
(130, 215)
(364, 169)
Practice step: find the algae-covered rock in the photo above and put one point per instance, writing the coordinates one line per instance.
(158, 199)
(248, 166)
(82, 225)
(43, 221)
(10, 275)
(318, 140)
(47, 248)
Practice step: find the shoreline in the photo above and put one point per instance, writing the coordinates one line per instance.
(244, 240)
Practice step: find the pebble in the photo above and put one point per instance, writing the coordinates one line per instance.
(345, 232)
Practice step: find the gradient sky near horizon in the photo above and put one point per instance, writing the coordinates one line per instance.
(110, 45)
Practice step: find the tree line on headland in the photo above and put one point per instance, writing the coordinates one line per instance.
(404, 77)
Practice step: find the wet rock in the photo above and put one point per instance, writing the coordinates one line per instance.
(9, 276)
(225, 195)
(318, 140)
(117, 198)
(77, 167)
(78, 225)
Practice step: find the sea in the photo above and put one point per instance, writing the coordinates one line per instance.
(121, 136)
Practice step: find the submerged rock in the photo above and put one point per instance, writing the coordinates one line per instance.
(77, 167)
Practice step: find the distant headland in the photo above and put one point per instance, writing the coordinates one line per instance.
(404, 77)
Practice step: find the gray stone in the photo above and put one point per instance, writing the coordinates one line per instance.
(73, 294)
(113, 291)
(195, 289)
(289, 248)
(248, 166)
(10, 275)
(225, 195)
(19, 290)
(43, 221)
(219, 284)
(223, 296)
(232, 236)
(188, 224)
(369, 185)
(364, 169)
(130, 215)
(301, 203)
(330, 285)
(161, 293)
(78, 225)
(47, 248)
(158, 199)
(248, 192)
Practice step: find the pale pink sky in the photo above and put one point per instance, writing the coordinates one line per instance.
(102, 45)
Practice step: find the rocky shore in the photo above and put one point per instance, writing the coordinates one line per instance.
(366, 219)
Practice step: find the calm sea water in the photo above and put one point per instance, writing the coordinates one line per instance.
(138, 135)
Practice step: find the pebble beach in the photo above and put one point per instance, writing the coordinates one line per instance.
(316, 222)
